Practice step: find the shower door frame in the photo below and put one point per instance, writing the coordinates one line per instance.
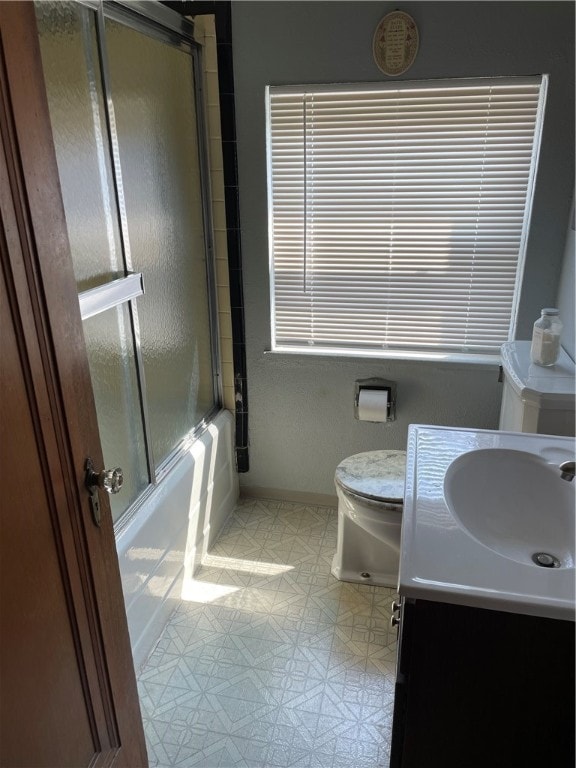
(167, 26)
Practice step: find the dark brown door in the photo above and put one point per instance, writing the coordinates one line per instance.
(68, 692)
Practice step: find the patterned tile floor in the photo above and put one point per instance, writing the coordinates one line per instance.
(271, 661)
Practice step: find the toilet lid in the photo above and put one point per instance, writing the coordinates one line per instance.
(376, 475)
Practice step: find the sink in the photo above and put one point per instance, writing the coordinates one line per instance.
(515, 503)
(478, 505)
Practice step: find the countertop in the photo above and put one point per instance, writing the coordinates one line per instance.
(441, 561)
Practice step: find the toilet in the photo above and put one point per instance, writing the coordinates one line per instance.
(536, 399)
(370, 490)
(370, 486)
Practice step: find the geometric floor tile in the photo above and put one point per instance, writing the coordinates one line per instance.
(272, 662)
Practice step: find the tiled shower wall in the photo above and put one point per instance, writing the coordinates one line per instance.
(205, 34)
(212, 22)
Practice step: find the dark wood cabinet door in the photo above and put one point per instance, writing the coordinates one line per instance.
(483, 688)
(68, 692)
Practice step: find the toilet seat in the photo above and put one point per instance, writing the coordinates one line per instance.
(377, 476)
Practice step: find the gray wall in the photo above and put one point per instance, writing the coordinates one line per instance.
(567, 290)
(301, 419)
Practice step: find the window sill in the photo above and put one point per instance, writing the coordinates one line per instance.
(395, 355)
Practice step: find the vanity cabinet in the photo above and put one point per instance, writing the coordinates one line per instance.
(478, 688)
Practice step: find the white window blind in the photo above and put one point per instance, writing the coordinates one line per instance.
(399, 214)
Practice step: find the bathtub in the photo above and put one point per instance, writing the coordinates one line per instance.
(160, 549)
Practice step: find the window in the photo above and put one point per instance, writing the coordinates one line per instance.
(399, 214)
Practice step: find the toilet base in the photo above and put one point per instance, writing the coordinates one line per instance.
(360, 552)
(374, 577)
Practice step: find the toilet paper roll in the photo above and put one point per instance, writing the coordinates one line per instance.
(373, 405)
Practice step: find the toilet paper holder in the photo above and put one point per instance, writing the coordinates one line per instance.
(377, 384)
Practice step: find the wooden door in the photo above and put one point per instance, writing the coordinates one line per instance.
(68, 692)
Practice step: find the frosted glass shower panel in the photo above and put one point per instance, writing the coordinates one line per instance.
(121, 94)
(152, 88)
(67, 34)
(113, 371)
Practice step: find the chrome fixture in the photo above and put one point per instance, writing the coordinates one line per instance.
(396, 611)
(376, 383)
(545, 560)
(567, 470)
(109, 480)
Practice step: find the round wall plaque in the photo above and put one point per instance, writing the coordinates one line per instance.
(395, 43)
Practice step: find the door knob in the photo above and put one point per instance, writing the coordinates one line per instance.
(109, 480)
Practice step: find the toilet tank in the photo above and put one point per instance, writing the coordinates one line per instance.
(536, 399)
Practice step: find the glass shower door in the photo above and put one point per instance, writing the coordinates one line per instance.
(122, 99)
(153, 96)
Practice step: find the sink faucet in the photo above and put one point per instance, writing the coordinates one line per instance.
(567, 470)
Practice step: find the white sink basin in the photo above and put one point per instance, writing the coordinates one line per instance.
(515, 503)
(478, 505)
